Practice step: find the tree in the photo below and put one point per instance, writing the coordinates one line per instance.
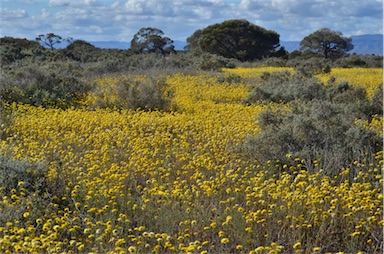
(82, 51)
(330, 44)
(237, 39)
(149, 39)
(51, 39)
(193, 41)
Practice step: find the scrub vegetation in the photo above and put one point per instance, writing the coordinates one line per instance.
(112, 151)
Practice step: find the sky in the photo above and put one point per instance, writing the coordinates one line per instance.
(119, 20)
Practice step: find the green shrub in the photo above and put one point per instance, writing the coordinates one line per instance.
(10, 54)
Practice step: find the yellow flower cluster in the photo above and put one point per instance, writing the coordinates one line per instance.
(136, 181)
(255, 73)
(368, 78)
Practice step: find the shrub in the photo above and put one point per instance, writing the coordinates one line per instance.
(313, 66)
(9, 54)
(31, 174)
(275, 61)
(229, 78)
(5, 121)
(209, 62)
(133, 92)
(320, 130)
(57, 84)
(319, 125)
(284, 87)
(25, 183)
(377, 101)
(356, 98)
(354, 60)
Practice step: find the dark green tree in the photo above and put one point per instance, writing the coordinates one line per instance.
(193, 41)
(82, 51)
(237, 39)
(328, 43)
(149, 39)
(51, 39)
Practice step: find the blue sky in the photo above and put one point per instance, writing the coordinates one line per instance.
(119, 20)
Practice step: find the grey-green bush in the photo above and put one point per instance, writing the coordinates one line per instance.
(286, 87)
(318, 124)
(320, 130)
(27, 182)
(133, 93)
(58, 84)
(32, 174)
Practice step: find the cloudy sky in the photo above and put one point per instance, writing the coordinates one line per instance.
(119, 20)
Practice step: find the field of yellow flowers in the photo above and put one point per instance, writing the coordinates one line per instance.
(126, 181)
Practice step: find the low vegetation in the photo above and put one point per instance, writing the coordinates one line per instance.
(152, 150)
(204, 162)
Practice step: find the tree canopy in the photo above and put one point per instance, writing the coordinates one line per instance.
(237, 39)
(328, 43)
(51, 39)
(149, 39)
(82, 51)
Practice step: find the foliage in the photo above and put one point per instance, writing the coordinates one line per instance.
(20, 43)
(319, 124)
(313, 66)
(328, 43)
(82, 51)
(13, 49)
(285, 87)
(146, 93)
(237, 39)
(152, 181)
(274, 62)
(160, 156)
(321, 132)
(149, 39)
(26, 190)
(5, 121)
(57, 84)
(13, 171)
(10, 53)
(354, 60)
(368, 78)
(209, 62)
(51, 39)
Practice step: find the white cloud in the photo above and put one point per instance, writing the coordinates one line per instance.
(9, 15)
(45, 14)
(202, 12)
(59, 3)
(97, 29)
(120, 20)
